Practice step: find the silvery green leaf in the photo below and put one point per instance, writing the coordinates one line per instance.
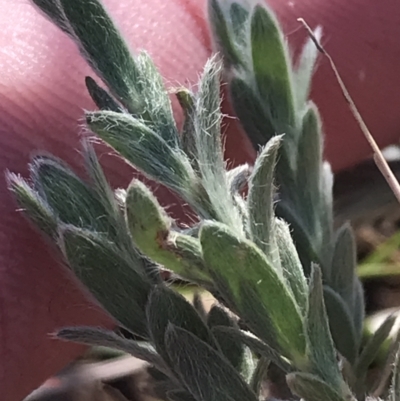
(217, 316)
(230, 347)
(157, 105)
(162, 382)
(359, 308)
(32, 204)
(71, 199)
(248, 365)
(143, 148)
(346, 340)
(347, 371)
(251, 112)
(106, 196)
(187, 101)
(326, 217)
(321, 348)
(114, 281)
(311, 388)
(241, 206)
(150, 229)
(53, 11)
(255, 344)
(210, 157)
(260, 201)
(218, 15)
(102, 99)
(316, 213)
(98, 179)
(164, 307)
(245, 279)
(223, 381)
(94, 336)
(372, 347)
(304, 245)
(292, 269)
(271, 66)
(180, 395)
(304, 70)
(395, 385)
(101, 44)
(344, 262)
(239, 13)
(309, 160)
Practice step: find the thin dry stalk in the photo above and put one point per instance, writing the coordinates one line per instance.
(379, 159)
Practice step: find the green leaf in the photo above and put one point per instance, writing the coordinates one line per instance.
(187, 101)
(32, 204)
(53, 11)
(157, 105)
(243, 275)
(166, 306)
(71, 200)
(305, 68)
(94, 336)
(223, 382)
(222, 33)
(359, 308)
(302, 239)
(271, 66)
(309, 163)
(147, 221)
(180, 395)
(99, 182)
(106, 196)
(239, 14)
(395, 385)
(321, 347)
(344, 261)
(150, 228)
(261, 192)
(292, 269)
(143, 148)
(371, 349)
(312, 388)
(255, 344)
(102, 99)
(114, 282)
(251, 112)
(102, 46)
(209, 147)
(346, 339)
(230, 347)
(249, 365)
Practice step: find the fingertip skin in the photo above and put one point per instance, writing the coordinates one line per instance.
(42, 98)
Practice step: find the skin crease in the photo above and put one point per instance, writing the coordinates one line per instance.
(42, 97)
